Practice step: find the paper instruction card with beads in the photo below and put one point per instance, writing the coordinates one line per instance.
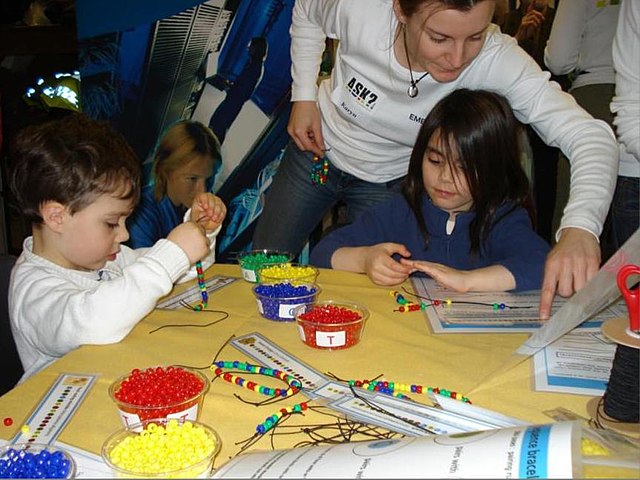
(447, 311)
(578, 362)
(192, 296)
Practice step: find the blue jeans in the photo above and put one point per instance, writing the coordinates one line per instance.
(293, 206)
(625, 210)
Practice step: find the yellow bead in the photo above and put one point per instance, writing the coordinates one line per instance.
(591, 448)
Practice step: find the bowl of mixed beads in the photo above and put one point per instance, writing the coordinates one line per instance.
(162, 448)
(293, 273)
(253, 260)
(35, 460)
(330, 325)
(276, 301)
(159, 392)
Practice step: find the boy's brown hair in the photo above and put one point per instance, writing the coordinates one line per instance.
(71, 161)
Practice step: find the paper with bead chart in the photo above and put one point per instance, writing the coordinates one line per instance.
(474, 312)
(192, 295)
(409, 418)
(578, 363)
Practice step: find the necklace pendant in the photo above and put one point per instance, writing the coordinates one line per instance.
(412, 91)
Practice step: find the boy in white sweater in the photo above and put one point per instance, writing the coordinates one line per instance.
(77, 180)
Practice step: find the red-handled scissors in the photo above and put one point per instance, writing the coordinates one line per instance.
(630, 295)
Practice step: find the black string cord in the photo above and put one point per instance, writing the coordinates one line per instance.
(197, 325)
(621, 400)
(432, 300)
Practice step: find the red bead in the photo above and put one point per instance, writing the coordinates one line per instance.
(8, 421)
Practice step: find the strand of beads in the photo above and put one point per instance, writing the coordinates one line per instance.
(294, 384)
(203, 288)
(409, 306)
(319, 170)
(294, 387)
(397, 389)
(272, 420)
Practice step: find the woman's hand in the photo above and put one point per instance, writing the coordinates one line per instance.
(305, 127)
(572, 262)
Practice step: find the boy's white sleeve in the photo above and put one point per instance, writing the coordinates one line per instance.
(55, 310)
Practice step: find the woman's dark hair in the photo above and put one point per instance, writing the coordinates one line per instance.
(409, 7)
(72, 161)
(480, 133)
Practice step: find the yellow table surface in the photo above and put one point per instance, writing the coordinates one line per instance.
(398, 346)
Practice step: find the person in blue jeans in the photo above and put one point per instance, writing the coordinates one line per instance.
(625, 208)
(460, 218)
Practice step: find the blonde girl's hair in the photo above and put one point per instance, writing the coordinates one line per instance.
(180, 144)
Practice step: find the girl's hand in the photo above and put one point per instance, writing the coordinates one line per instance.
(382, 268)
(494, 278)
(444, 276)
(208, 211)
(376, 261)
(305, 127)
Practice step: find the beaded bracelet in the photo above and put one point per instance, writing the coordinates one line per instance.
(272, 420)
(319, 170)
(294, 387)
(294, 384)
(409, 306)
(203, 288)
(396, 389)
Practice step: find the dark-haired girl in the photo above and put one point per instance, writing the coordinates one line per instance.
(461, 217)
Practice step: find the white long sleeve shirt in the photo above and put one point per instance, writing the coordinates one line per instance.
(370, 123)
(580, 41)
(626, 102)
(55, 310)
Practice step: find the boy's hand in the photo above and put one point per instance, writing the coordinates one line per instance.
(190, 237)
(208, 210)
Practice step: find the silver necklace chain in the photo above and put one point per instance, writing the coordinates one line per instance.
(412, 91)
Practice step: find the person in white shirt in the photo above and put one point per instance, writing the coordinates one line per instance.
(77, 180)
(624, 214)
(395, 59)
